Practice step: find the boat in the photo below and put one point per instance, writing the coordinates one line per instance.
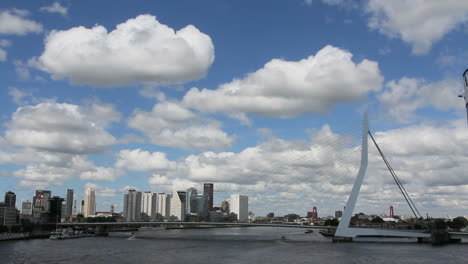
(309, 231)
(66, 234)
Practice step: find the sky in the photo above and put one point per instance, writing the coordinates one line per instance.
(263, 98)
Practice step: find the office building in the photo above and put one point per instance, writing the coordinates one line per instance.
(41, 201)
(69, 204)
(55, 213)
(7, 215)
(26, 208)
(10, 199)
(208, 191)
(90, 202)
(240, 206)
(132, 206)
(178, 205)
(191, 203)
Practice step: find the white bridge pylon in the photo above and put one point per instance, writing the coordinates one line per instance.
(343, 229)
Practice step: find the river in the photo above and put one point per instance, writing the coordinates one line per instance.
(225, 245)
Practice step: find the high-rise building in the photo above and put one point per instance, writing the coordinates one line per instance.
(338, 214)
(7, 215)
(208, 191)
(10, 199)
(69, 204)
(82, 207)
(191, 203)
(164, 205)
(8, 210)
(55, 213)
(154, 205)
(112, 208)
(132, 206)
(178, 204)
(240, 206)
(147, 203)
(26, 208)
(74, 212)
(89, 202)
(41, 200)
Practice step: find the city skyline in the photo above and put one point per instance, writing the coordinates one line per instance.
(264, 99)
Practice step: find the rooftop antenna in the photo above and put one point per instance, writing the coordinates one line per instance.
(464, 95)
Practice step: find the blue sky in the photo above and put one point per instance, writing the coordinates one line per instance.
(166, 95)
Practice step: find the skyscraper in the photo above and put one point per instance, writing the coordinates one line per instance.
(26, 208)
(55, 213)
(69, 204)
(147, 203)
(132, 205)
(178, 204)
(208, 191)
(191, 203)
(10, 199)
(240, 206)
(74, 212)
(164, 205)
(90, 202)
(41, 200)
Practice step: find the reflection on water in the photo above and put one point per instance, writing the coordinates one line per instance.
(224, 245)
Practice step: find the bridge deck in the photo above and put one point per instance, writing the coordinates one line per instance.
(137, 224)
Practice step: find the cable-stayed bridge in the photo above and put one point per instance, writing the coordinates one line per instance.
(342, 233)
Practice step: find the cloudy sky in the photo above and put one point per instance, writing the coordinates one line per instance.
(263, 98)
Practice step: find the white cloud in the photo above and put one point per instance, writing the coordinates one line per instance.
(170, 124)
(141, 160)
(101, 174)
(419, 22)
(14, 21)
(64, 128)
(401, 98)
(290, 88)
(39, 174)
(22, 70)
(308, 2)
(56, 7)
(158, 180)
(141, 50)
(19, 95)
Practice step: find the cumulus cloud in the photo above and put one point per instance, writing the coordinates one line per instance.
(101, 174)
(172, 125)
(419, 23)
(55, 7)
(61, 127)
(290, 88)
(14, 21)
(401, 98)
(141, 160)
(140, 50)
(53, 171)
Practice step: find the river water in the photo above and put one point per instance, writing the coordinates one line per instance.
(225, 245)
